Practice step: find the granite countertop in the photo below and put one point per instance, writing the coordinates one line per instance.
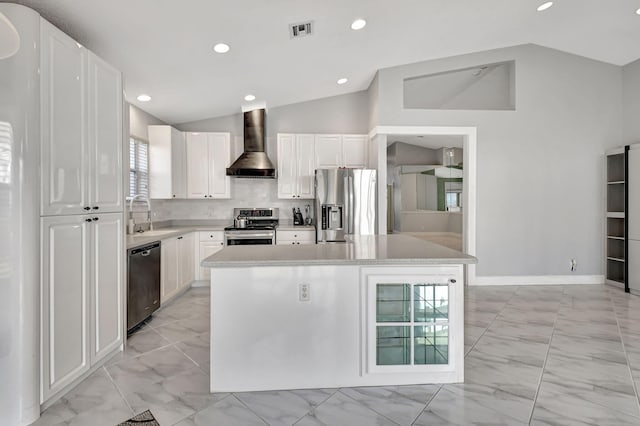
(173, 230)
(289, 226)
(176, 228)
(361, 250)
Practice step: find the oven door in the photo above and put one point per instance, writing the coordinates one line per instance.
(245, 238)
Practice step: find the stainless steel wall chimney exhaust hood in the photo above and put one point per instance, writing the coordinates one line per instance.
(253, 163)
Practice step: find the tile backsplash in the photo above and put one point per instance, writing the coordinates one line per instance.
(244, 192)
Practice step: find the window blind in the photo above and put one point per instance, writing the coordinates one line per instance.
(138, 167)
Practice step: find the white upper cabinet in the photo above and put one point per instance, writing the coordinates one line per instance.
(167, 163)
(219, 160)
(328, 151)
(354, 151)
(197, 165)
(287, 174)
(305, 165)
(105, 136)
(65, 155)
(333, 151)
(81, 117)
(208, 156)
(296, 166)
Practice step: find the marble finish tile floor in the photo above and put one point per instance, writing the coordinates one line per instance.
(543, 355)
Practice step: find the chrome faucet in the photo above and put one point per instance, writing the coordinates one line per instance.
(145, 198)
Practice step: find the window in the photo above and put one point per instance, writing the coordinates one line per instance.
(453, 199)
(138, 167)
(412, 324)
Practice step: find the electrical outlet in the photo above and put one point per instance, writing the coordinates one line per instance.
(304, 291)
(573, 265)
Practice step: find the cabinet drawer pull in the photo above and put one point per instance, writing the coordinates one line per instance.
(96, 219)
(452, 281)
(179, 238)
(87, 208)
(88, 220)
(96, 207)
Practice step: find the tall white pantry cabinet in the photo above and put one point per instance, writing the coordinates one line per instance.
(82, 229)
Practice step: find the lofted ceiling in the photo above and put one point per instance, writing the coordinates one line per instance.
(164, 47)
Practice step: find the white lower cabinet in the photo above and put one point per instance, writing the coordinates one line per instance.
(210, 243)
(177, 257)
(82, 275)
(288, 237)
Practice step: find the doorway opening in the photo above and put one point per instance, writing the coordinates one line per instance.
(427, 184)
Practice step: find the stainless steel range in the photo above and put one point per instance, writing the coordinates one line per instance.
(252, 226)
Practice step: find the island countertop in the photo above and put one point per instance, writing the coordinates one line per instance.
(359, 250)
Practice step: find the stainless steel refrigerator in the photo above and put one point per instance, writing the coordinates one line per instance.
(345, 203)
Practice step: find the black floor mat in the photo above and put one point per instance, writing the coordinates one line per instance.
(142, 419)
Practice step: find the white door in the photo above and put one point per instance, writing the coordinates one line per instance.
(65, 301)
(633, 209)
(197, 165)
(219, 160)
(287, 176)
(306, 165)
(186, 256)
(105, 136)
(328, 151)
(169, 271)
(354, 151)
(178, 165)
(208, 248)
(107, 273)
(64, 132)
(634, 267)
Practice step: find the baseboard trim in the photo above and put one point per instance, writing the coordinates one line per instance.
(201, 283)
(537, 280)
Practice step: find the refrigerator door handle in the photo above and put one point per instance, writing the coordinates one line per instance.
(350, 219)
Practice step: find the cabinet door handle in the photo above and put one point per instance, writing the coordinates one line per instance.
(221, 243)
(452, 281)
(174, 195)
(87, 208)
(96, 219)
(88, 220)
(179, 238)
(96, 207)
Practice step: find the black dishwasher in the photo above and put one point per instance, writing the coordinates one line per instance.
(143, 289)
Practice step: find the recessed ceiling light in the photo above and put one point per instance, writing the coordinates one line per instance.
(221, 48)
(358, 24)
(638, 12)
(144, 98)
(249, 98)
(545, 6)
(342, 80)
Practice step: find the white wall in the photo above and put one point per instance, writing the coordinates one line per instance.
(540, 168)
(138, 122)
(631, 102)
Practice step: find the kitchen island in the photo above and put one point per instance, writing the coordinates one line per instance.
(377, 310)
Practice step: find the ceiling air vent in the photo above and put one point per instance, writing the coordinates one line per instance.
(301, 29)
